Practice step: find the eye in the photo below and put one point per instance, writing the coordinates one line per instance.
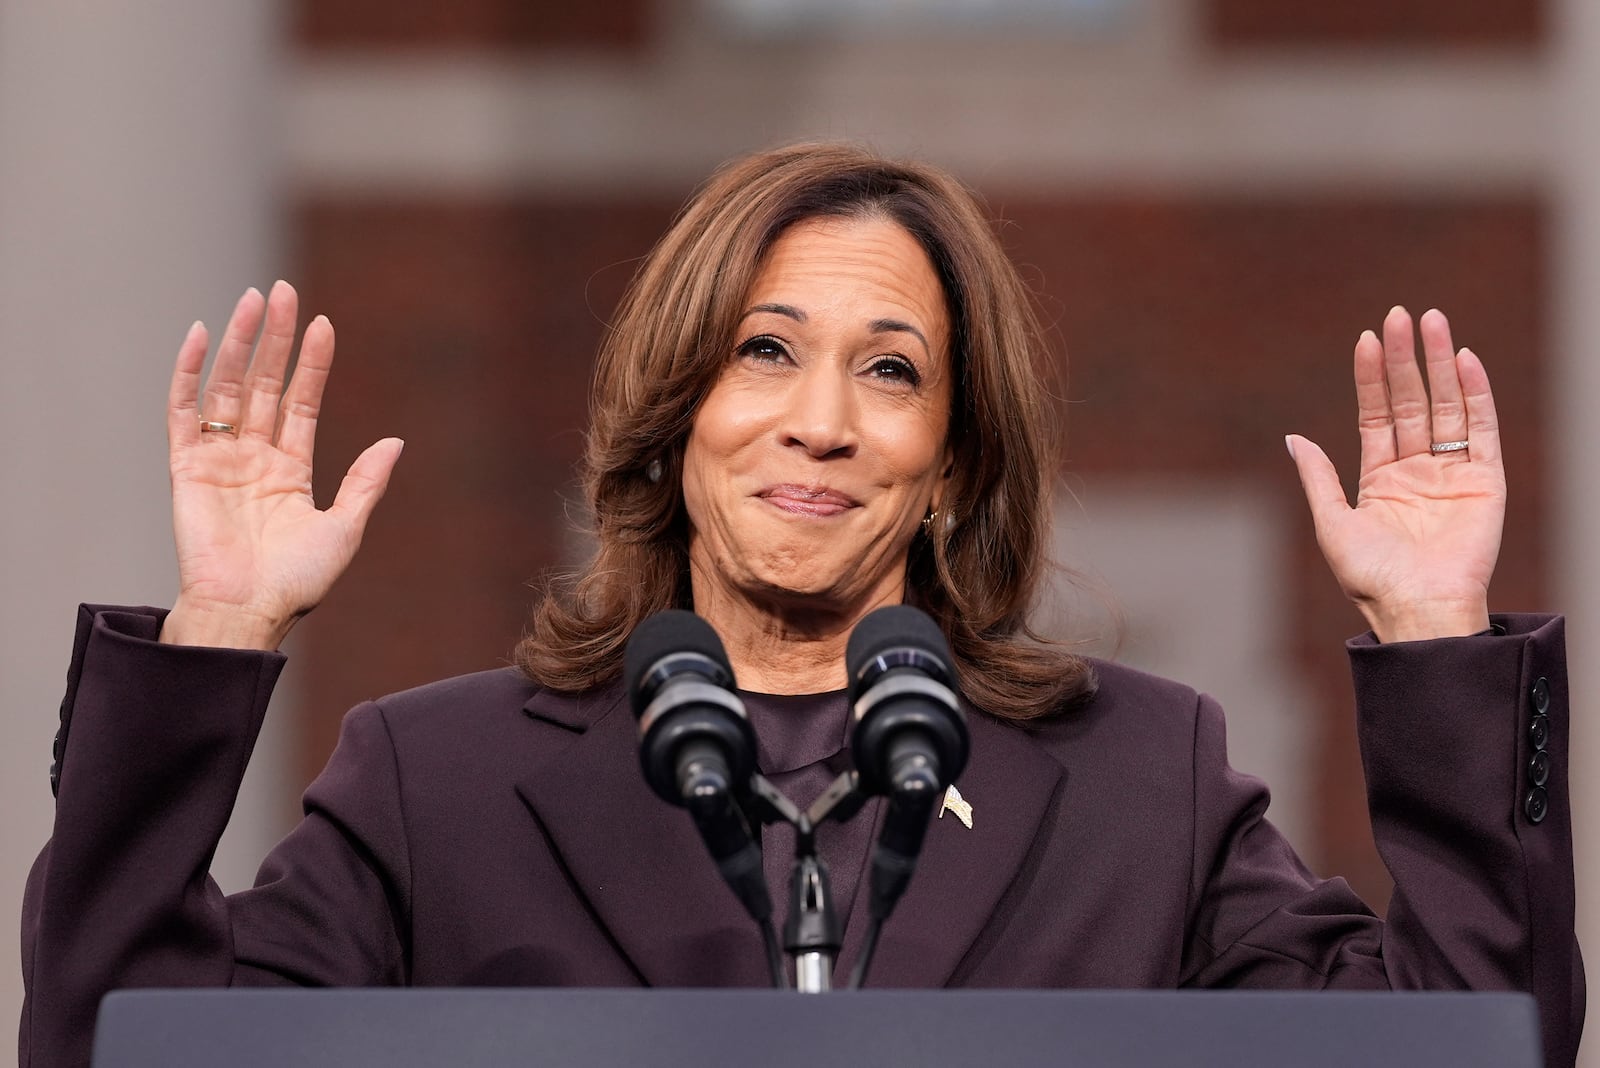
(892, 368)
(763, 348)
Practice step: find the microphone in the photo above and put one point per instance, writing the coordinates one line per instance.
(910, 737)
(696, 744)
(910, 734)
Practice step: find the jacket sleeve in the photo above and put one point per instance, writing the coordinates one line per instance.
(153, 746)
(1464, 747)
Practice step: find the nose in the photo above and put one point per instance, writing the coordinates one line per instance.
(821, 411)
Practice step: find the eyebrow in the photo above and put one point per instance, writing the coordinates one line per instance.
(877, 326)
(788, 311)
(896, 326)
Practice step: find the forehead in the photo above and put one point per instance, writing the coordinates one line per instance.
(851, 264)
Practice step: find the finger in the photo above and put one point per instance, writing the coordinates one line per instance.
(263, 382)
(1408, 400)
(1373, 417)
(183, 396)
(1319, 479)
(221, 401)
(1483, 427)
(365, 482)
(302, 402)
(1448, 408)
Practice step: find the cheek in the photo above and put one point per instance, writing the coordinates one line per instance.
(720, 430)
(698, 468)
(729, 421)
(912, 446)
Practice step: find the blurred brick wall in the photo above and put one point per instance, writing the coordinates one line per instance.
(480, 24)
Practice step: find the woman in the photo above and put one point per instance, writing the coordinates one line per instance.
(819, 397)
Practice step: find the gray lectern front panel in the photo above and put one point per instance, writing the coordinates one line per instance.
(925, 1029)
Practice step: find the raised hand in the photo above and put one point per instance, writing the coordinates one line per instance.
(254, 552)
(1417, 551)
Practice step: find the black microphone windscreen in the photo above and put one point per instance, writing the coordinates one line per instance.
(890, 627)
(663, 634)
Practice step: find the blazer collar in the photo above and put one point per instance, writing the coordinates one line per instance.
(645, 872)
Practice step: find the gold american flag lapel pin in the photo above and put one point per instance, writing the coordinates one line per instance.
(954, 802)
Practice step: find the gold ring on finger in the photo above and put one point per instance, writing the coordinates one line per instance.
(211, 426)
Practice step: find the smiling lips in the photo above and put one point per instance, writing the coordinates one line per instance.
(808, 500)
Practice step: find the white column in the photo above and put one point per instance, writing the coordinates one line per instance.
(1575, 443)
(136, 194)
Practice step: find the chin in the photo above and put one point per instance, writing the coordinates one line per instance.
(798, 589)
(804, 590)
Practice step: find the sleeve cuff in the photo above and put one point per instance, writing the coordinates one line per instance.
(119, 646)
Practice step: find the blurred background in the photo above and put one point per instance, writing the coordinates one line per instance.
(1212, 198)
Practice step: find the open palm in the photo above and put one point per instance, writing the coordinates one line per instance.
(254, 551)
(1418, 549)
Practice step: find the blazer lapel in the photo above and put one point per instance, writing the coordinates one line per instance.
(637, 860)
(962, 872)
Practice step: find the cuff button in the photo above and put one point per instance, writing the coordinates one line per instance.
(1539, 768)
(1541, 695)
(1536, 804)
(1539, 731)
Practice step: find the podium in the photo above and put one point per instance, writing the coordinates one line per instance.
(926, 1029)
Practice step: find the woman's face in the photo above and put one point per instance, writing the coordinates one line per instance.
(820, 448)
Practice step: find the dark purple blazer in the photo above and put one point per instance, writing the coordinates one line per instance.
(480, 831)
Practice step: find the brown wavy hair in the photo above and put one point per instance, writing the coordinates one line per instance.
(978, 569)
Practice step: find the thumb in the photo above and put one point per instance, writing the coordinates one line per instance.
(1319, 479)
(365, 482)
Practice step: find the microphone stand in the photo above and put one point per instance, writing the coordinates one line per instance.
(811, 934)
